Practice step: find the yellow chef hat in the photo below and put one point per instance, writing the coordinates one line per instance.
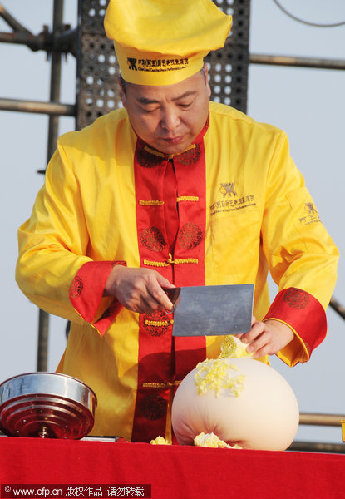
(160, 42)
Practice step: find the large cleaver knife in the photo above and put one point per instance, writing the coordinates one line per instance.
(212, 310)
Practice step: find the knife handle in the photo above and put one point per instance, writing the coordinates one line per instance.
(173, 294)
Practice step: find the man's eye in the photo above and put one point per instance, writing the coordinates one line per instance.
(185, 105)
(149, 109)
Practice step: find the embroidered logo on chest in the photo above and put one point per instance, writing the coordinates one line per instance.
(229, 198)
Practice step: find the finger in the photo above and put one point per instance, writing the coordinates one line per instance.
(146, 302)
(147, 305)
(242, 336)
(155, 301)
(260, 342)
(163, 282)
(139, 301)
(262, 352)
(257, 329)
(143, 306)
(148, 297)
(158, 295)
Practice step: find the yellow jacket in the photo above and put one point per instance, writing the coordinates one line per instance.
(256, 216)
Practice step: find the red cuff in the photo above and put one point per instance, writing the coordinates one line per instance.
(303, 313)
(86, 293)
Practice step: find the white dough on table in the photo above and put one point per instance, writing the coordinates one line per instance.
(264, 416)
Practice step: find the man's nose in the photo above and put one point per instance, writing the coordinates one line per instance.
(170, 119)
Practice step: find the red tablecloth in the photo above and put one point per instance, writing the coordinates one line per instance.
(173, 471)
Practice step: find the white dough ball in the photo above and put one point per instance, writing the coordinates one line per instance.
(263, 416)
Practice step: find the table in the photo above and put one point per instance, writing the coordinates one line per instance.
(172, 471)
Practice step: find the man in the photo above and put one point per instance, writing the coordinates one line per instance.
(170, 190)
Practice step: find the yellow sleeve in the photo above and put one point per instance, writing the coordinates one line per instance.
(53, 242)
(302, 256)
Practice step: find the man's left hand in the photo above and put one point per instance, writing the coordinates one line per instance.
(266, 338)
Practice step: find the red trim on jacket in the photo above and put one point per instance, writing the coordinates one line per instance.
(303, 313)
(86, 292)
(180, 258)
(190, 243)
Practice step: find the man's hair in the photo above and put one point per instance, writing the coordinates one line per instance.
(124, 84)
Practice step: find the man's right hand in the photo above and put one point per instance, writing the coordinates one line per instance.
(140, 290)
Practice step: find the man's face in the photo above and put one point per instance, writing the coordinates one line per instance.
(168, 117)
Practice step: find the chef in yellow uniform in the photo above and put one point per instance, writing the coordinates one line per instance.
(170, 190)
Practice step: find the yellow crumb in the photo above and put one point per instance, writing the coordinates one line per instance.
(217, 375)
(159, 441)
(211, 440)
(233, 347)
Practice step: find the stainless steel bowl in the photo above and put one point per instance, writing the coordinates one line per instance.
(46, 405)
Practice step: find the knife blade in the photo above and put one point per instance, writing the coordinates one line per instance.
(212, 310)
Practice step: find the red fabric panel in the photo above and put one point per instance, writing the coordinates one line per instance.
(190, 243)
(154, 362)
(86, 293)
(174, 471)
(163, 360)
(303, 313)
(170, 206)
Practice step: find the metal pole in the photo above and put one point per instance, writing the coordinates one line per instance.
(317, 447)
(11, 21)
(20, 38)
(304, 62)
(335, 305)
(318, 419)
(31, 106)
(55, 81)
(63, 42)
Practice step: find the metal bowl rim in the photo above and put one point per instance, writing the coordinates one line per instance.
(40, 374)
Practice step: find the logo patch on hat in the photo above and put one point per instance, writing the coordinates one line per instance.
(157, 65)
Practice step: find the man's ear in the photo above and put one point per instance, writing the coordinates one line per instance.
(123, 94)
(206, 81)
(123, 98)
